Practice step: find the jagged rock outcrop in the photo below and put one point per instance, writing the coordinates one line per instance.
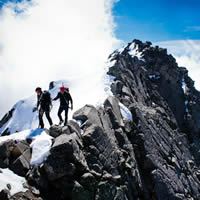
(103, 155)
(16, 156)
(165, 128)
(98, 164)
(5, 119)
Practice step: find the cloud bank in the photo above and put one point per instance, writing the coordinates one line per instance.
(41, 41)
(187, 54)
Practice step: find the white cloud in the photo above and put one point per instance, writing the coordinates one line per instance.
(51, 40)
(187, 54)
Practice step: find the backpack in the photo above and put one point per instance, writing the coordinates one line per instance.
(46, 98)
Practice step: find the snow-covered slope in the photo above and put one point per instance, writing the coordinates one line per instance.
(16, 182)
(24, 118)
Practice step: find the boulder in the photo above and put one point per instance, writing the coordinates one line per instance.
(111, 105)
(19, 148)
(65, 157)
(55, 131)
(88, 115)
(4, 194)
(22, 164)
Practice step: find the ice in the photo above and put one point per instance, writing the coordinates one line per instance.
(126, 113)
(40, 148)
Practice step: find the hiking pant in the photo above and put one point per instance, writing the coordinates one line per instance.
(60, 110)
(47, 113)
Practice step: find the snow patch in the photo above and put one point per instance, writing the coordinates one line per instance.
(111, 63)
(184, 86)
(40, 148)
(154, 77)
(186, 106)
(121, 49)
(16, 182)
(134, 51)
(108, 80)
(23, 117)
(41, 143)
(19, 136)
(126, 113)
(185, 90)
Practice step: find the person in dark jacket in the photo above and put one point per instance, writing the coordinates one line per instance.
(65, 98)
(44, 105)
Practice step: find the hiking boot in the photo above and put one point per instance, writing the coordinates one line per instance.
(60, 122)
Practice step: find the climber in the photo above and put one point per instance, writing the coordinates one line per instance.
(44, 105)
(65, 98)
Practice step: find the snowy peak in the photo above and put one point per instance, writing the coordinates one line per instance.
(136, 48)
(160, 70)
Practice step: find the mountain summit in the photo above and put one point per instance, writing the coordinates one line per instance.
(142, 143)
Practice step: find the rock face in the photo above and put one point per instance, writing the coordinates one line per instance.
(98, 164)
(16, 156)
(5, 119)
(165, 135)
(108, 157)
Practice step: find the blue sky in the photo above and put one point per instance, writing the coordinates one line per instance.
(157, 20)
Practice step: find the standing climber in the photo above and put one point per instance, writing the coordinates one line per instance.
(44, 105)
(65, 98)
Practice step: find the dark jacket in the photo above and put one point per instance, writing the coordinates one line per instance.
(65, 98)
(44, 100)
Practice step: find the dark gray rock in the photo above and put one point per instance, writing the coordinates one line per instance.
(160, 117)
(28, 195)
(108, 190)
(19, 148)
(80, 193)
(112, 107)
(55, 131)
(74, 127)
(6, 117)
(65, 157)
(88, 115)
(15, 155)
(22, 164)
(4, 194)
(66, 130)
(5, 152)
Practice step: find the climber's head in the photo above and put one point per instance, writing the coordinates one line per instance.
(62, 89)
(38, 90)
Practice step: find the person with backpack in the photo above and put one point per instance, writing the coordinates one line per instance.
(65, 98)
(44, 105)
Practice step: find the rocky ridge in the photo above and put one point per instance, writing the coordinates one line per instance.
(102, 155)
